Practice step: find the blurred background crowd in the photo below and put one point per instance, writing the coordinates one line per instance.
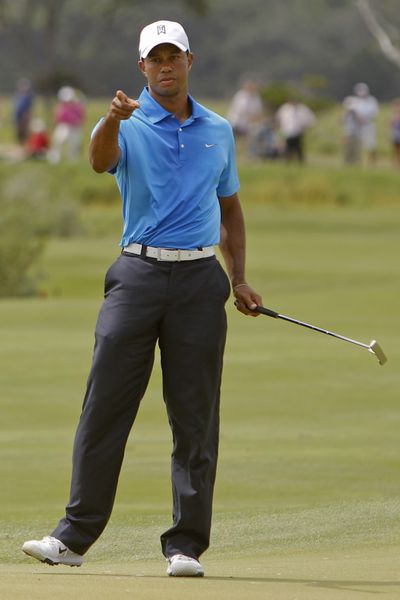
(263, 131)
(281, 66)
(35, 139)
(268, 134)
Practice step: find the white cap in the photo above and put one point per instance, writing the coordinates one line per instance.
(361, 89)
(66, 94)
(162, 32)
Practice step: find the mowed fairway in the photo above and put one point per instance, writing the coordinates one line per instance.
(307, 497)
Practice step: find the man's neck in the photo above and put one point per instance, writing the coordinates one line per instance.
(179, 105)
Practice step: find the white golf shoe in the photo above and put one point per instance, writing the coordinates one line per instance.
(180, 565)
(53, 552)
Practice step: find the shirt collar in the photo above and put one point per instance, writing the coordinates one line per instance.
(156, 113)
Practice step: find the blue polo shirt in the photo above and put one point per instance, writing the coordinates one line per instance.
(171, 174)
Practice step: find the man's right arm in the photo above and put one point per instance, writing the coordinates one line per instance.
(104, 149)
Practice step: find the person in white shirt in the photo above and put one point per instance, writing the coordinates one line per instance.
(365, 107)
(293, 119)
(245, 111)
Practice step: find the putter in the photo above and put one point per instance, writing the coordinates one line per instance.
(373, 347)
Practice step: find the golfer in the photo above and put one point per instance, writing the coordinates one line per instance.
(174, 163)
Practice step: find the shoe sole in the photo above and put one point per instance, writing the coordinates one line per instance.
(185, 574)
(182, 573)
(51, 562)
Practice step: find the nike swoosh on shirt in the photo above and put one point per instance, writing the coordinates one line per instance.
(209, 145)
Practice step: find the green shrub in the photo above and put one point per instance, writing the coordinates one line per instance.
(22, 240)
(31, 210)
(277, 93)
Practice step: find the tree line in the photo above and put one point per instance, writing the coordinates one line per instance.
(322, 44)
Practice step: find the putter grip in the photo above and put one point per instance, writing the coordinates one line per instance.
(267, 311)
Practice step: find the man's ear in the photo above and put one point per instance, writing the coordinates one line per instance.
(142, 67)
(190, 59)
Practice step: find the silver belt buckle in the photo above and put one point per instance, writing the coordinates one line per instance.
(170, 254)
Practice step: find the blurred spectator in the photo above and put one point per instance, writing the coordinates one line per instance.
(245, 109)
(37, 144)
(395, 132)
(365, 107)
(67, 135)
(23, 104)
(263, 141)
(352, 132)
(293, 119)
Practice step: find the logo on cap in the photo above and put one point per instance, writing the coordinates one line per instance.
(161, 29)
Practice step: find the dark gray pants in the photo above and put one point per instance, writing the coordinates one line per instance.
(180, 304)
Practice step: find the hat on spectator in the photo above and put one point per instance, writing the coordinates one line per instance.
(66, 94)
(361, 89)
(162, 32)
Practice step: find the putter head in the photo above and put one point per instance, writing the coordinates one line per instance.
(375, 348)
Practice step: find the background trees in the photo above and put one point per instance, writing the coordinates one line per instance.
(320, 48)
(93, 44)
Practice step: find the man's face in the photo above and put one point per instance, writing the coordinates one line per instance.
(166, 69)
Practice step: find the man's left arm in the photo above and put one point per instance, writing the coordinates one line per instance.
(233, 248)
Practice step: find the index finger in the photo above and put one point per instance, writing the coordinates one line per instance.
(125, 102)
(122, 97)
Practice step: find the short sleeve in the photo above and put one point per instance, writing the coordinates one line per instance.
(229, 180)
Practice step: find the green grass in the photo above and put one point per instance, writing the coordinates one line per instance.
(306, 502)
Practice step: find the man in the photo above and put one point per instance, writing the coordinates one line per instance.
(365, 107)
(246, 113)
(293, 119)
(23, 105)
(352, 131)
(174, 164)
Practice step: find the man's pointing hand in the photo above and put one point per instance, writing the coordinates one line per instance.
(122, 106)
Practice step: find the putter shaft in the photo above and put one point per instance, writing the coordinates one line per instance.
(373, 347)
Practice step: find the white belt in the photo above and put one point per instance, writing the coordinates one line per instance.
(170, 254)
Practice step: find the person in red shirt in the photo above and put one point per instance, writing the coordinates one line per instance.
(37, 144)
